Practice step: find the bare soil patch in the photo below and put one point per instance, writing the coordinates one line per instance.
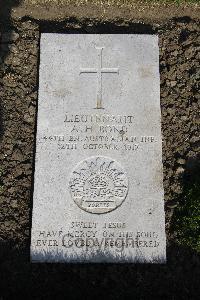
(101, 10)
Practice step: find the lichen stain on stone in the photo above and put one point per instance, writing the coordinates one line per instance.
(99, 103)
(158, 178)
(145, 72)
(61, 93)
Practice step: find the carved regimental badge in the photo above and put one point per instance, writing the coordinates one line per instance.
(98, 184)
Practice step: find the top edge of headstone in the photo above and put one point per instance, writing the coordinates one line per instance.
(53, 34)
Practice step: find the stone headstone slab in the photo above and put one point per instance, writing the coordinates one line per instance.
(98, 183)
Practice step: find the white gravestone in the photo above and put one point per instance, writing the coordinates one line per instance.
(98, 184)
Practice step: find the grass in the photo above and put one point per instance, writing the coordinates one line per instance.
(187, 217)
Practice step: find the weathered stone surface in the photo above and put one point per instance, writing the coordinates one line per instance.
(98, 193)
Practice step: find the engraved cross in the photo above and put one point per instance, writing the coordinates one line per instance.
(99, 70)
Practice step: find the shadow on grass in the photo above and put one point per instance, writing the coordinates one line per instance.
(178, 279)
(186, 217)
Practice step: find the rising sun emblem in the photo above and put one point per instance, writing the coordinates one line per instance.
(98, 184)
